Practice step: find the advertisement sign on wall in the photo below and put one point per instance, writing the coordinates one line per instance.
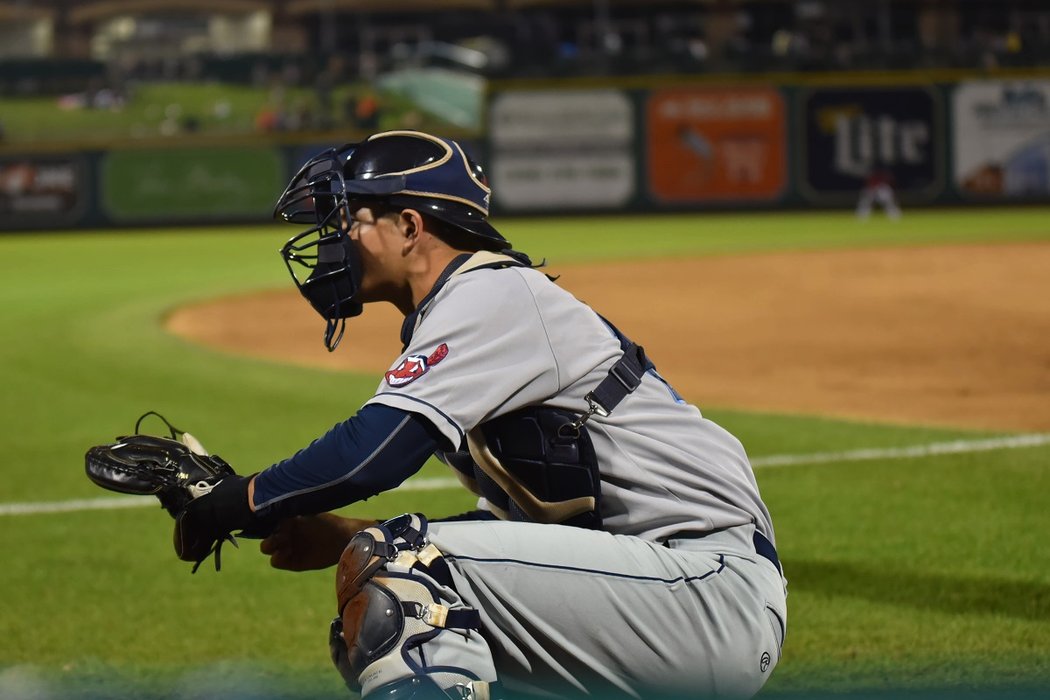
(849, 134)
(187, 184)
(42, 192)
(1002, 138)
(565, 149)
(710, 144)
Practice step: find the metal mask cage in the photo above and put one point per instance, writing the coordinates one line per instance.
(297, 204)
(317, 197)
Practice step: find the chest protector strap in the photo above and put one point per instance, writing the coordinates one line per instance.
(623, 378)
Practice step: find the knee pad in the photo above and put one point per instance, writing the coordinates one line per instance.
(394, 599)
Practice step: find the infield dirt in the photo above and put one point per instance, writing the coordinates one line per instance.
(947, 335)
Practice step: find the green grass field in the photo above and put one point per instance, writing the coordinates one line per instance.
(928, 573)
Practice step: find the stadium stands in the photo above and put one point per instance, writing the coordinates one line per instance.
(531, 37)
(439, 55)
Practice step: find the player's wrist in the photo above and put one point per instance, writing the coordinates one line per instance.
(229, 501)
(213, 516)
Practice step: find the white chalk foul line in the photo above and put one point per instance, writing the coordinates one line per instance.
(1010, 442)
(117, 502)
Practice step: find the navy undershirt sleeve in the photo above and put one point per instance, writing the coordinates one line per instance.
(373, 451)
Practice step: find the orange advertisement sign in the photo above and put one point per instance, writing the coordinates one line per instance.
(709, 144)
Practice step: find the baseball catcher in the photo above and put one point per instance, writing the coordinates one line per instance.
(179, 472)
(619, 547)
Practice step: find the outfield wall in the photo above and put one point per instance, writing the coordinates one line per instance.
(676, 145)
(640, 145)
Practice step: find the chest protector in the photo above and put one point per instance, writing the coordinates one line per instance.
(530, 465)
(538, 464)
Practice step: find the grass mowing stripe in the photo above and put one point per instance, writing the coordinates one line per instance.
(1011, 442)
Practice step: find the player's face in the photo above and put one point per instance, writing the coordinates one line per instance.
(380, 242)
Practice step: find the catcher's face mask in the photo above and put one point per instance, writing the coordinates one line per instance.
(327, 266)
(399, 169)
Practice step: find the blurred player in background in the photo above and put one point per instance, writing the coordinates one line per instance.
(878, 189)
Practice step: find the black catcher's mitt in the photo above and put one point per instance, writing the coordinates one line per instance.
(202, 492)
(176, 470)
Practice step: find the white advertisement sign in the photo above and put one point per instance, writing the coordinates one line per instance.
(575, 181)
(566, 118)
(1002, 138)
(561, 150)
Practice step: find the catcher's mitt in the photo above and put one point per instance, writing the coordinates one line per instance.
(176, 470)
(179, 472)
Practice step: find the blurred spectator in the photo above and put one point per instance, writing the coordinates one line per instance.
(309, 88)
(324, 86)
(300, 117)
(190, 124)
(697, 49)
(267, 120)
(367, 113)
(260, 74)
(350, 109)
(412, 119)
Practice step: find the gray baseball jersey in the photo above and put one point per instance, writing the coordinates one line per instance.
(494, 340)
(509, 338)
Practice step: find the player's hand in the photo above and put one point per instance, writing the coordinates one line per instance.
(308, 542)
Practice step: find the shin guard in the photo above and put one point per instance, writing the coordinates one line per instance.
(400, 618)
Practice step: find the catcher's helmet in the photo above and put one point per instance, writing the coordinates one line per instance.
(413, 170)
(402, 169)
(396, 169)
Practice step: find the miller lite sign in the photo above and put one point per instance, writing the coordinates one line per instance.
(848, 134)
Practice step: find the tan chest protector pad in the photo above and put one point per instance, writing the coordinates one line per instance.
(534, 465)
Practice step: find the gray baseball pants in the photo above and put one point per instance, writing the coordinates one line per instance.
(568, 611)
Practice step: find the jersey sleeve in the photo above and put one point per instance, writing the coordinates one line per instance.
(481, 350)
(373, 451)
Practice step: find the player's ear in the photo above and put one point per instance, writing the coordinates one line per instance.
(411, 226)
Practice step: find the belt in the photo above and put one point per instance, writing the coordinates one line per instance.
(766, 549)
(763, 547)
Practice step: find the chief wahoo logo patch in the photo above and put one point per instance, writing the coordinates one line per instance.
(415, 366)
